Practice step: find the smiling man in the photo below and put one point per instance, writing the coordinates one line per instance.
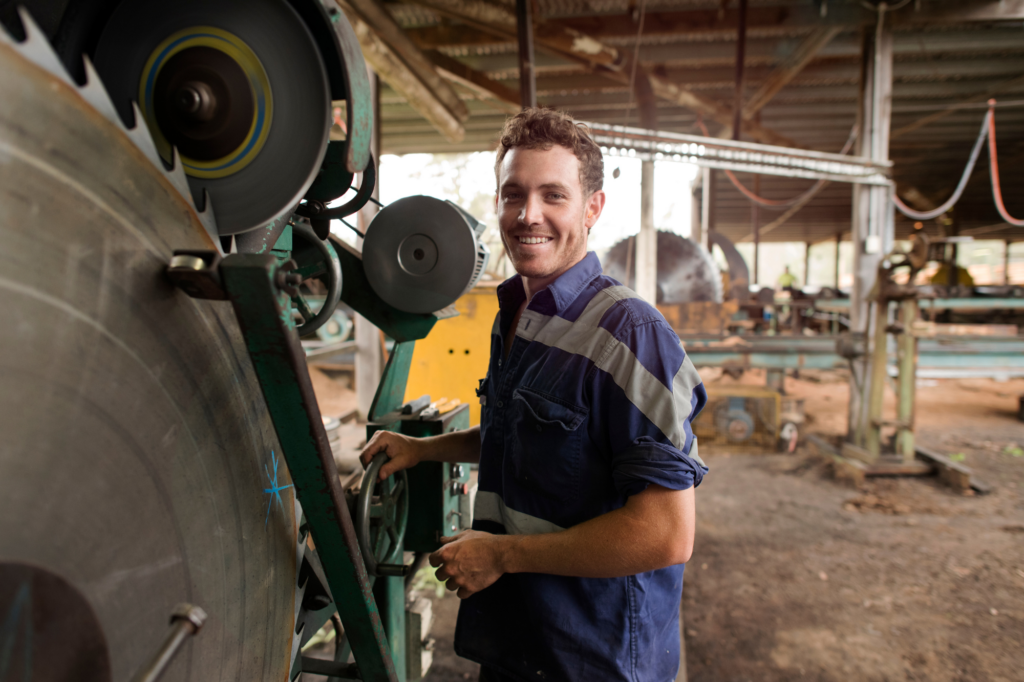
(585, 511)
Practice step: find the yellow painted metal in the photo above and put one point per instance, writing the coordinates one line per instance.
(451, 361)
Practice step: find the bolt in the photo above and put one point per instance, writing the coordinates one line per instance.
(315, 207)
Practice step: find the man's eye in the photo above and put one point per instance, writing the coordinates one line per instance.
(511, 197)
(556, 197)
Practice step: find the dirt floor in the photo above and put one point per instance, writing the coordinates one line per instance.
(798, 577)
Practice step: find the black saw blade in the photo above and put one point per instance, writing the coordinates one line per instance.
(237, 86)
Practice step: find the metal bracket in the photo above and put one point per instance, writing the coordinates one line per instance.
(256, 285)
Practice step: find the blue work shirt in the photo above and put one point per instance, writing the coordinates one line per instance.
(594, 403)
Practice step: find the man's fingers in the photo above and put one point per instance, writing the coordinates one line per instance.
(375, 445)
(465, 592)
(435, 559)
(442, 574)
(445, 539)
(451, 586)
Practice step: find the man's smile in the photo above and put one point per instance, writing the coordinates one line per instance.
(533, 240)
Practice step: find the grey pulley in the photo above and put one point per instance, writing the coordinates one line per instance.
(421, 253)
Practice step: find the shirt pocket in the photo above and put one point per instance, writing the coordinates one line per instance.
(546, 440)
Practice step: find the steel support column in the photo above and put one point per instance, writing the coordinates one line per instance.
(647, 240)
(872, 229)
(527, 72)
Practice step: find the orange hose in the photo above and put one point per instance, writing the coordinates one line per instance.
(997, 192)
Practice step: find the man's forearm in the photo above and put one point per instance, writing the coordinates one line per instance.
(457, 446)
(639, 537)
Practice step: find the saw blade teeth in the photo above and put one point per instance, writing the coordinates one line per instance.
(36, 47)
(143, 139)
(97, 96)
(176, 174)
(208, 217)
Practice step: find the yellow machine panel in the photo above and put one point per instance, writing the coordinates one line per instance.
(451, 361)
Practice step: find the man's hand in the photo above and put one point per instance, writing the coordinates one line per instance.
(403, 452)
(470, 561)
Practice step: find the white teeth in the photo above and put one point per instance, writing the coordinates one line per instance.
(37, 49)
(534, 240)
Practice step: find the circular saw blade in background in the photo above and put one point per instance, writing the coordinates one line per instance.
(255, 166)
(686, 272)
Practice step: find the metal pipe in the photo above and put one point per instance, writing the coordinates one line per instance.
(906, 353)
(186, 620)
(741, 48)
(527, 75)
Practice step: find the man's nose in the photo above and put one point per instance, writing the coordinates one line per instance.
(532, 212)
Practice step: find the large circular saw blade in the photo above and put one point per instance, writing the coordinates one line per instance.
(237, 86)
(137, 451)
(686, 271)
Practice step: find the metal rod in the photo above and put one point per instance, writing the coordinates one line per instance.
(906, 353)
(755, 226)
(527, 75)
(741, 48)
(186, 620)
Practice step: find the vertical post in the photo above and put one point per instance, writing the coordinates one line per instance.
(906, 347)
(876, 391)
(741, 48)
(527, 76)
(839, 238)
(1006, 261)
(755, 227)
(807, 264)
(705, 205)
(872, 224)
(647, 240)
(369, 362)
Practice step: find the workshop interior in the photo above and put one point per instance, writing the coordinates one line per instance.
(175, 178)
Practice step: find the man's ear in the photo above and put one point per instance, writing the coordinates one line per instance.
(592, 208)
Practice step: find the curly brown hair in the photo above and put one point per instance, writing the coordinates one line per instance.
(536, 128)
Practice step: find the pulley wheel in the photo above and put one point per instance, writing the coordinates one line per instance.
(382, 514)
(237, 86)
(316, 259)
(420, 254)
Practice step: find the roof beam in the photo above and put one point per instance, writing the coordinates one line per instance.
(372, 13)
(788, 69)
(938, 115)
(610, 62)
(477, 81)
(390, 66)
(705, 22)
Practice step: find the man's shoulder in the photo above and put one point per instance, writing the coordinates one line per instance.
(608, 304)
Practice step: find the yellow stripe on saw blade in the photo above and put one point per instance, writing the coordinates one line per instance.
(242, 54)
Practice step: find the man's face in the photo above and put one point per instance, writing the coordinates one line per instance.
(543, 214)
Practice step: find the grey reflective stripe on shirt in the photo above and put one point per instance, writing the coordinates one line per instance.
(668, 410)
(490, 507)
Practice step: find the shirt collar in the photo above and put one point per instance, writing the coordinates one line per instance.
(558, 295)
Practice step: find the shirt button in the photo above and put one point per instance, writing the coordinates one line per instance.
(501, 404)
(539, 427)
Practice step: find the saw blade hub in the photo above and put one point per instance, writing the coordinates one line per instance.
(204, 91)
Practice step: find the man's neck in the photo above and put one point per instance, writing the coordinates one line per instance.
(534, 285)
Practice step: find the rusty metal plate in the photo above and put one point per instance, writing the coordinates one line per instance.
(138, 458)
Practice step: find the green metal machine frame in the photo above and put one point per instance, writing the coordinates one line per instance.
(260, 288)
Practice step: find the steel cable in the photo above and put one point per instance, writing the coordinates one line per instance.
(779, 204)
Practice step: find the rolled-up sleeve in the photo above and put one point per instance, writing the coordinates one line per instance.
(645, 393)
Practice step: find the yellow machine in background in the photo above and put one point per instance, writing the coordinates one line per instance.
(451, 361)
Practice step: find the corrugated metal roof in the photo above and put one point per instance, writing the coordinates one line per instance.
(935, 66)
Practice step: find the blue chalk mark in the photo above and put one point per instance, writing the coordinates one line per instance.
(274, 490)
(9, 632)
